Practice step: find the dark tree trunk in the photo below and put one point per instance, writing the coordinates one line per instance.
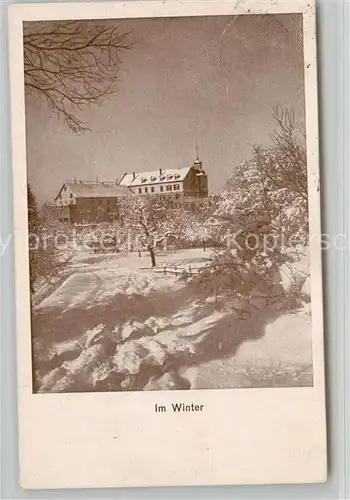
(153, 257)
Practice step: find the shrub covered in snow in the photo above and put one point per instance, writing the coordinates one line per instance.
(261, 218)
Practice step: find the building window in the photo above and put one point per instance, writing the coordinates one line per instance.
(146, 190)
(161, 188)
(176, 187)
(140, 190)
(100, 202)
(152, 189)
(169, 187)
(177, 196)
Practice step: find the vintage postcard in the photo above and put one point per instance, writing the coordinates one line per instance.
(167, 232)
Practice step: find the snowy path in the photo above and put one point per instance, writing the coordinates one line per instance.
(77, 289)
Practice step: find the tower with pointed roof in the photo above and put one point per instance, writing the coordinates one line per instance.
(198, 163)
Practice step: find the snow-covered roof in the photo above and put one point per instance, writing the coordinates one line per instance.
(84, 189)
(155, 177)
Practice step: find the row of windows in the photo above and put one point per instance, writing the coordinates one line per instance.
(162, 177)
(175, 187)
(99, 200)
(64, 202)
(108, 202)
(60, 195)
(170, 187)
(96, 201)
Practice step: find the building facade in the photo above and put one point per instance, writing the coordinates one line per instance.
(79, 202)
(174, 184)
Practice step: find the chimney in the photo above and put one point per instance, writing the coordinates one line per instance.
(160, 172)
(133, 175)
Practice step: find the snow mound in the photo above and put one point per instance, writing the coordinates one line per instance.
(168, 381)
(87, 359)
(133, 354)
(94, 335)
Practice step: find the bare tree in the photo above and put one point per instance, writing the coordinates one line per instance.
(290, 171)
(71, 64)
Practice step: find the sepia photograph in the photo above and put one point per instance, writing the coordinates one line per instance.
(167, 235)
(168, 198)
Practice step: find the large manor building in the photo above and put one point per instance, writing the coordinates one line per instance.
(84, 201)
(176, 184)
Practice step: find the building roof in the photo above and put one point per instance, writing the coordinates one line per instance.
(155, 177)
(86, 189)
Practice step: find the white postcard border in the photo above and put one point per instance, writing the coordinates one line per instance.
(244, 436)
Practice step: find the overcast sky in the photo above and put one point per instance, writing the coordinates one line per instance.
(206, 81)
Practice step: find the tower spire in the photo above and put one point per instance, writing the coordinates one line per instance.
(197, 163)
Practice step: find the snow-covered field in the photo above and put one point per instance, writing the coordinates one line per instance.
(114, 324)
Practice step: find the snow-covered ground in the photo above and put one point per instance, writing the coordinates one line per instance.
(116, 324)
(95, 279)
(281, 357)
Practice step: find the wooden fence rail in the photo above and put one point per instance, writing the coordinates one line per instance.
(189, 270)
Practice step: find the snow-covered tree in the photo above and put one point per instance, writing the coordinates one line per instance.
(33, 228)
(262, 214)
(33, 214)
(50, 248)
(150, 221)
(193, 222)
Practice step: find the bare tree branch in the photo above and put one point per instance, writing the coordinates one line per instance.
(291, 171)
(73, 64)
